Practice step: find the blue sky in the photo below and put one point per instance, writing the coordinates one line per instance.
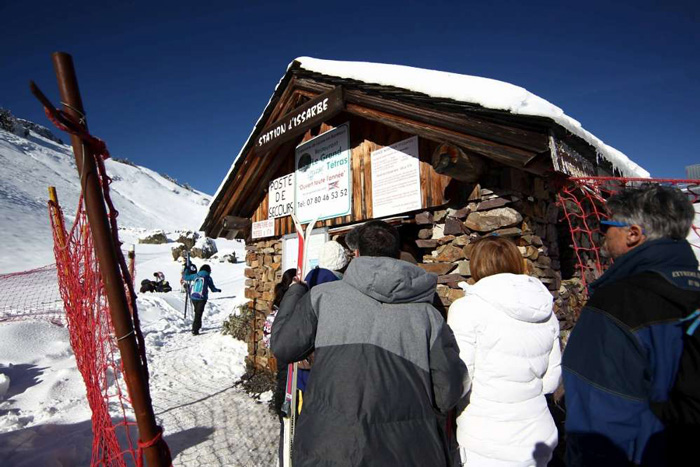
(178, 86)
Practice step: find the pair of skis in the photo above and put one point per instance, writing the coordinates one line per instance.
(290, 398)
(186, 285)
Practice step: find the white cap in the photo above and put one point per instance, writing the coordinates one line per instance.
(333, 256)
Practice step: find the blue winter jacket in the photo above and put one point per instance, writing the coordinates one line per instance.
(622, 359)
(208, 282)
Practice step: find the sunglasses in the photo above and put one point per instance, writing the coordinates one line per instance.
(605, 225)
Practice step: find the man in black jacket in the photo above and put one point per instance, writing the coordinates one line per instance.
(386, 364)
(632, 363)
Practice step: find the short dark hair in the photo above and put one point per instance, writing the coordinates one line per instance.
(663, 211)
(377, 238)
(205, 267)
(351, 238)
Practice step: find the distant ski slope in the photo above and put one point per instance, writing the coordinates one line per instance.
(29, 165)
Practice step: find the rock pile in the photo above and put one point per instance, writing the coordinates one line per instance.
(446, 236)
(155, 237)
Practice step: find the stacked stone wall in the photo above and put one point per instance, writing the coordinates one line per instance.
(264, 264)
(508, 203)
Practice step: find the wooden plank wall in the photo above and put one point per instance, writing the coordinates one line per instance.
(365, 137)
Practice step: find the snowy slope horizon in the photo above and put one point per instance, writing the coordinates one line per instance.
(31, 162)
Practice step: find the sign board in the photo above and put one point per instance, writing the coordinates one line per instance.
(323, 178)
(396, 178)
(296, 122)
(567, 160)
(290, 249)
(264, 228)
(281, 197)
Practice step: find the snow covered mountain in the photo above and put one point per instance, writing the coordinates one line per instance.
(33, 161)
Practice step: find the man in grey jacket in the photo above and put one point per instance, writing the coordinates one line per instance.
(386, 368)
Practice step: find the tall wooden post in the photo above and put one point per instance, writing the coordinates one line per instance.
(135, 376)
(57, 220)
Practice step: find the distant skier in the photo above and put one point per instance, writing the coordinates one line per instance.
(201, 283)
(158, 285)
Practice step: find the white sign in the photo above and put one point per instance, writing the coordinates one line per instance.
(290, 249)
(264, 229)
(281, 197)
(323, 180)
(396, 178)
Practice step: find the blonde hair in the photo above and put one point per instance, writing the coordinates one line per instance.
(495, 255)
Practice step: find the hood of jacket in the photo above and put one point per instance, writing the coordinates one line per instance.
(203, 273)
(519, 296)
(390, 280)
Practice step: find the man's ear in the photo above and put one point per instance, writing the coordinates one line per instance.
(356, 253)
(635, 236)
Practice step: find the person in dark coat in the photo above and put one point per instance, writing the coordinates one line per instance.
(386, 363)
(632, 362)
(200, 297)
(280, 389)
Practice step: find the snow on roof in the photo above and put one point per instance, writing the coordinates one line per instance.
(486, 92)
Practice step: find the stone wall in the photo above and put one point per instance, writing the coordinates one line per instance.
(508, 203)
(264, 261)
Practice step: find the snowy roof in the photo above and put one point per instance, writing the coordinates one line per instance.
(485, 92)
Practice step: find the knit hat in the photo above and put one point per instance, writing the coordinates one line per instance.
(333, 256)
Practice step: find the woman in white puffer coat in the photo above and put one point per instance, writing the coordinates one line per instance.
(509, 339)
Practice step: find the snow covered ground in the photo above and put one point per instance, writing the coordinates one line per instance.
(44, 416)
(208, 420)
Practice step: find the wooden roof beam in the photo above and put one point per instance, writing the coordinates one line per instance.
(505, 154)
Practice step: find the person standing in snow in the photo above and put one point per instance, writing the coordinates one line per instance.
(201, 283)
(632, 362)
(385, 362)
(509, 339)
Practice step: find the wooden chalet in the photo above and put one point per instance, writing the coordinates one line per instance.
(481, 169)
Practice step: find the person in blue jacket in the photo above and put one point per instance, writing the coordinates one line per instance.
(199, 293)
(632, 362)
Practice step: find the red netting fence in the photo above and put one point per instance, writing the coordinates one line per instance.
(89, 321)
(31, 295)
(93, 342)
(582, 201)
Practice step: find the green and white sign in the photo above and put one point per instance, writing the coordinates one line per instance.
(323, 180)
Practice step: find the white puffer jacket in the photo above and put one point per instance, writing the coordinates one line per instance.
(509, 339)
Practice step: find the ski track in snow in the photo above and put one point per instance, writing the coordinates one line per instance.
(208, 420)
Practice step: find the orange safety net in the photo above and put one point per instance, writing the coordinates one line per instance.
(31, 295)
(91, 329)
(93, 342)
(582, 201)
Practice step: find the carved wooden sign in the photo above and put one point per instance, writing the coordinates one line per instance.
(567, 160)
(299, 120)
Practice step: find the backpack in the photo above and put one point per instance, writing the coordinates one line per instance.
(198, 288)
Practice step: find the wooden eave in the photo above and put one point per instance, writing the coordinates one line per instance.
(515, 140)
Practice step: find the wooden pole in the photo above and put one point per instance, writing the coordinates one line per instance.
(57, 220)
(135, 376)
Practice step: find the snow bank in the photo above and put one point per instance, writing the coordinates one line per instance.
(30, 165)
(4, 385)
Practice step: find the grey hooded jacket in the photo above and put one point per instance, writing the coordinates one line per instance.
(386, 366)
